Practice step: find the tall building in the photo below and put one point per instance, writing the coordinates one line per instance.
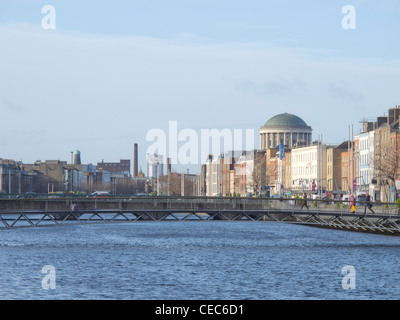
(212, 175)
(155, 165)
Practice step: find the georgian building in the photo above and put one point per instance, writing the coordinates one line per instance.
(309, 168)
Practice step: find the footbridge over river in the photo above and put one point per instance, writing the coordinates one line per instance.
(45, 211)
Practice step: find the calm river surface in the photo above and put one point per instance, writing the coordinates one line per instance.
(196, 261)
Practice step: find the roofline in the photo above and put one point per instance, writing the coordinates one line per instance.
(284, 126)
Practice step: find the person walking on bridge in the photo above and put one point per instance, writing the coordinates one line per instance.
(304, 202)
(368, 204)
(352, 203)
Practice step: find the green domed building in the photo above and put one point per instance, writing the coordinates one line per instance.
(286, 129)
(77, 157)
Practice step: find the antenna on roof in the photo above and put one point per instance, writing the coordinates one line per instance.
(365, 119)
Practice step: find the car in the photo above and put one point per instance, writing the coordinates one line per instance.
(100, 194)
(30, 195)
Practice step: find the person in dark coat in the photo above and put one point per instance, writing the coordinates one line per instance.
(304, 202)
(368, 204)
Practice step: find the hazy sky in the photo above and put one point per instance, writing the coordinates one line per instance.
(113, 70)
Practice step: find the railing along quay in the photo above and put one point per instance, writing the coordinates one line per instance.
(17, 213)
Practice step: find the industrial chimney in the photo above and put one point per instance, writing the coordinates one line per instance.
(168, 166)
(135, 160)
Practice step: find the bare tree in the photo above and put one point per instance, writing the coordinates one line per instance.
(259, 171)
(271, 171)
(172, 183)
(387, 164)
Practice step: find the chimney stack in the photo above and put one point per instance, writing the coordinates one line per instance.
(168, 166)
(135, 160)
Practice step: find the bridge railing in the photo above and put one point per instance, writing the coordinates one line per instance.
(189, 203)
(44, 212)
(344, 206)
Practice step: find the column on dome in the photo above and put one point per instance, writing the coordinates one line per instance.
(265, 140)
(291, 140)
(261, 141)
(270, 139)
(273, 137)
(284, 138)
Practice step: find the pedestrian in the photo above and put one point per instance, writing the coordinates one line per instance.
(304, 202)
(368, 204)
(352, 204)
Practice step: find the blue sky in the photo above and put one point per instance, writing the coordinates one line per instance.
(113, 70)
(309, 24)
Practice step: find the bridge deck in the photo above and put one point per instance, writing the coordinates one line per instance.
(16, 213)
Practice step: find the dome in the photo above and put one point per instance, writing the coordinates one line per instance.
(285, 120)
(77, 152)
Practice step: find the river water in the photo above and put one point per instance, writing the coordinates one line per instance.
(195, 261)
